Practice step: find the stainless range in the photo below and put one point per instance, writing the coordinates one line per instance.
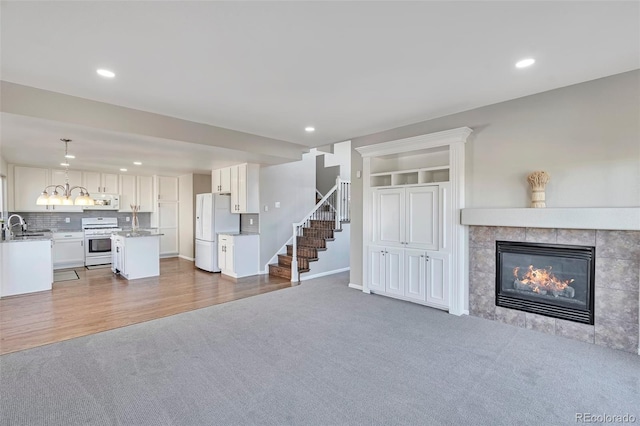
(97, 239)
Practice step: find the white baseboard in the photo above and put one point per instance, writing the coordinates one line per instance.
(191, 259)
(305, 277)
(465, 312)
(167, 255)
(356, 286)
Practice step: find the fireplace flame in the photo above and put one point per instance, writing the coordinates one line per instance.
(541, 279)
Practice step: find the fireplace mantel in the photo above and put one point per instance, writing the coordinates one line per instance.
(623, 218)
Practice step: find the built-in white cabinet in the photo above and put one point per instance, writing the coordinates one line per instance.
(414, 245)
(239, 254)
(135, 257)
(68, 249)
(242, 182)
(166, 214)
(136, 190)
(28, 183)
(245, 188)
(100, 182)
(221, 181)
(59, 177)
(416, 275)
(407, 217)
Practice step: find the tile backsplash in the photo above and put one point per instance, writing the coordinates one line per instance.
(56, 221)
(247, 226)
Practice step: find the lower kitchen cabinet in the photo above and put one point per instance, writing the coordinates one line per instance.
(239, 254)
(410, 274)
(135, 257)
(68, 249)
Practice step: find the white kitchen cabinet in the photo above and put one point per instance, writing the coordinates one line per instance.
(25, 267)
(168, 226)
(144, 192)
(68, 249)
(136, 190)
(167, 188)
(409, 274)
(408, 217)
(239, 254)
(100, 182)
(28, 183)
(245, 188)
(135, 256)
(221, 181)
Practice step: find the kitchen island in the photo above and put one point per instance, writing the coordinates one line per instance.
(136, 254)
(26, 265)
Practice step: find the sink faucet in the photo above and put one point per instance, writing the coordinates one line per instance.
(22, 223)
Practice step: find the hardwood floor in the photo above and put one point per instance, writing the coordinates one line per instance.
(101, 301)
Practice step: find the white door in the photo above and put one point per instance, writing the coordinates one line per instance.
(144, 193)
(168, 225)
(206, 218)
(167, 188)
(376, 268)
(225, 180)
(215, 181)
(242, 188)
(414, 274)
(394, 271)
(438, 279)
(390, 216)
(91, 181)
(422, 222)
(222, 254)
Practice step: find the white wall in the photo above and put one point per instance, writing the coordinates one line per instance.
(586, 136)
(341, 157)
(293, 185)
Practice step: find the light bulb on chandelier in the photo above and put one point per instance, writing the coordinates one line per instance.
(65, 199)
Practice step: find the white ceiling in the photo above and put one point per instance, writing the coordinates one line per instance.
(272, 68)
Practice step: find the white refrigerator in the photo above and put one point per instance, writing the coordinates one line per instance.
(213, 216)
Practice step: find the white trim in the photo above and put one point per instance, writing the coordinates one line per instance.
(304, 277)
(465, 312)
(356, 286)
(167, 255)
(624, 218)
(430, 140)
(191, 259)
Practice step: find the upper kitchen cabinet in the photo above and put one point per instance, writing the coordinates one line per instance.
(167, 188)
(27, 185)
(221, 181)
(245, 188)
(136, 190)
(100, 182)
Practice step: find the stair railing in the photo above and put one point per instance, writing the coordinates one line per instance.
(335, 207)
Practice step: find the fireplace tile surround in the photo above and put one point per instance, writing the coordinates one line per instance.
(617, 283)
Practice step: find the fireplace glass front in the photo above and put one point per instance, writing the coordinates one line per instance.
(548, 279)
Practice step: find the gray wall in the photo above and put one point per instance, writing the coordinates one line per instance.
(293, 185)
(586, 136)
(325, 175)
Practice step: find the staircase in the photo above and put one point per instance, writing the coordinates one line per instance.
(310, 236)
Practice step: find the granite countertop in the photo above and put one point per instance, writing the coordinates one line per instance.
(238, 234)
(28, 237)
(139, 233)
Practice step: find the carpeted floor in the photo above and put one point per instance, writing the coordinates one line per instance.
(317, 354)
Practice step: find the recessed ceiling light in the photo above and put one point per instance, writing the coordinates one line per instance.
(123, 170)
(70, 156)
(64, 164)
(309, 129)
(137, 163)
(525, 63)
(106, 73)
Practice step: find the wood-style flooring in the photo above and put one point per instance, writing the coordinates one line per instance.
(101, 301)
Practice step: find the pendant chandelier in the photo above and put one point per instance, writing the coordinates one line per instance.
(65, 198)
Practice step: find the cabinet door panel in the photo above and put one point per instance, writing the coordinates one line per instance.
(225, 180)
(127, 191)
(109, 183)
(415, 274)
(242, 188)
(91, 181)
(233, 173)
(394, 271)
(28, 183)
(215, 181)
(438, 279)
(422, 217)
(167, 188)
(58, 177)
(376, 268)
(390, 216)
(144, 193)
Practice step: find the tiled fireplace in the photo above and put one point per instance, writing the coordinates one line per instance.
(615, 281)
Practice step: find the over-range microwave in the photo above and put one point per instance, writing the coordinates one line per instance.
(104, 201)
